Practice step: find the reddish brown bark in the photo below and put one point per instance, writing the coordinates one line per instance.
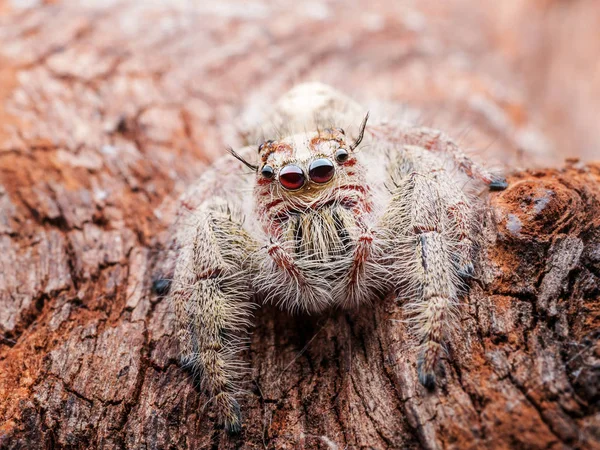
(108, 112)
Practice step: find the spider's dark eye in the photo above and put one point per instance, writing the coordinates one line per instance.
(341, 155)
(321, 170)
(291, 177)
(262, 146)
(267, 172)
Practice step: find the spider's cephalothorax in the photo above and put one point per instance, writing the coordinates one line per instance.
(313, 202)
(323, 218)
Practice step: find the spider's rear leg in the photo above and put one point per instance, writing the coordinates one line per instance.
(436, 141)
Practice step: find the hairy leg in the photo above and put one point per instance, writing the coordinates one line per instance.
(211, 294)
(436, 141)
(427, 229)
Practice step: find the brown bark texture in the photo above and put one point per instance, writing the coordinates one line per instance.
(108, 110)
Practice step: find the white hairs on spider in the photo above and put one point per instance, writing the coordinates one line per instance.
(321, 218)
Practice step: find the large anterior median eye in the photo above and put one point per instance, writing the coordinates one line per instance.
(291, 177)
(321, 170)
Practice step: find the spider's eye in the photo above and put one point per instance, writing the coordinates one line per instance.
(341, 155)
(262, 146)
(267, 172)
(291, 177)
(321, 170)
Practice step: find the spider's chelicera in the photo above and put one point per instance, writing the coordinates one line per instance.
(324, 218)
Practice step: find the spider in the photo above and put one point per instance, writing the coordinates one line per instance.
(320, 218)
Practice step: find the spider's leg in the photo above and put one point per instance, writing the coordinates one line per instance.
(460, 215)
(424, 238)
(211, 294)
(436, 141)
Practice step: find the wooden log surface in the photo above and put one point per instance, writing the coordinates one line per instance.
(108, 110)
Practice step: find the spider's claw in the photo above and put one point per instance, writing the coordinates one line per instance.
(467, 270)
(498, 184)
(427, 379)
(161, 286)
(233, 423)
(233, 428)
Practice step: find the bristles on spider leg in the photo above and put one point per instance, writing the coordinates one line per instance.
(211, 299)
(434, 216)
(229, 408)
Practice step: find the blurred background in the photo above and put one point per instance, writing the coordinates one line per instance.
(517, 79)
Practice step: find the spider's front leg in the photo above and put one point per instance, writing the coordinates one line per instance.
(211, 294)
(427, 230)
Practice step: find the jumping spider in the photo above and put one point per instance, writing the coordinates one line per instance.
(323, 218)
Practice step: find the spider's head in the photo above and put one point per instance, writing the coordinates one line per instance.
(308, 171)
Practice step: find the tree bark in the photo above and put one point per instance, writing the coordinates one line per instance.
(108, 111)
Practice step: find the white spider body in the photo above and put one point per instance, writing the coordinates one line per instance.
(318, 222)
